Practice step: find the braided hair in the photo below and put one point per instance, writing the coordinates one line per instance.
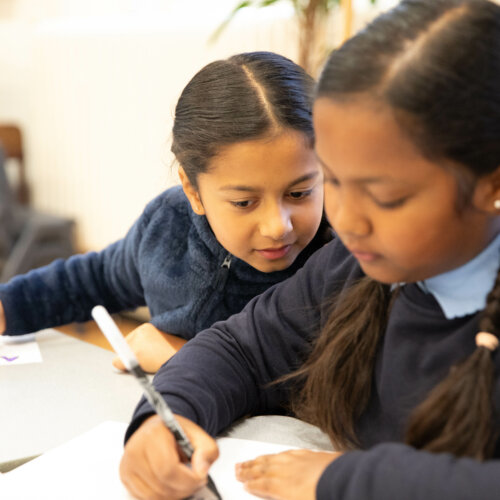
(436, 63)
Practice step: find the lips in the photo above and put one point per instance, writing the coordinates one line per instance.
(275, 253)
(364, 256)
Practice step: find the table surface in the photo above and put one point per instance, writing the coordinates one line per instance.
(74, 389)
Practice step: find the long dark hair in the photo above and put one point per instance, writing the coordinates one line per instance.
(239, 99)
(436, 63)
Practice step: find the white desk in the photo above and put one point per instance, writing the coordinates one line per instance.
(74, 389)
(87, 466)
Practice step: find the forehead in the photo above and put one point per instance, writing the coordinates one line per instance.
(361, 138)
(274, 159)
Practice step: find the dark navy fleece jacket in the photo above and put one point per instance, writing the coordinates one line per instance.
(170, 261)
(232, 363)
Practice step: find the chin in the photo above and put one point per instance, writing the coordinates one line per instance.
(382, 276)
(273, 266)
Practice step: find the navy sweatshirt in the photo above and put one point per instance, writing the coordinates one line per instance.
(170, 261)
(231, 365)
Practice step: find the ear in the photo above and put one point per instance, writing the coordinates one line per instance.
(487, 193)
(192, 193)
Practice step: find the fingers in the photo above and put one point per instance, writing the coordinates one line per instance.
(152, 468)
(205, 454)
(261, 476)
(140, 487)
(117, 363)
(150, 348)
(253, 469)
(206, 450)
(291, 475)
(260, 479)
(265, 487)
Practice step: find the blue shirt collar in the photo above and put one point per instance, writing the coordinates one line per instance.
(463, 290)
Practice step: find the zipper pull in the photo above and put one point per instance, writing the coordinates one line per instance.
(223, 272)
(227, 261)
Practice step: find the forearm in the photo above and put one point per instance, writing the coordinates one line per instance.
(50, 296)
(220, 376)
(393, 471)
(211, 398)
(62, 292)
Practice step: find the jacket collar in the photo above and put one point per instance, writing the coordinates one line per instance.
(239, 268)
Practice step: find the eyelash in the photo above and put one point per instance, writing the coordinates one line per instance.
(246, 204)
(391, 204)
(385, 205)
(302, 194)
(240, 204)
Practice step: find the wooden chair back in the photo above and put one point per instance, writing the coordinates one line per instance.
(11, 142)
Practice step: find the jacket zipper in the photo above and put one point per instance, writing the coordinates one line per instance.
(223, 272)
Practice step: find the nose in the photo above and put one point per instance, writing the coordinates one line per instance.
(276, 222)
(346, 216)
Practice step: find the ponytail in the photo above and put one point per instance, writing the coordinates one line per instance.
(457, 416)
(342, 362)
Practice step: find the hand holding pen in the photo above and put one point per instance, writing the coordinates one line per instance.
(152, 466)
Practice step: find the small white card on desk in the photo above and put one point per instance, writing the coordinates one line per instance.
(87, 467)
(19, 350)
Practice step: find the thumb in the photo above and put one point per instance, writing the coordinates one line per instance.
(117, 363)
(205, 448)
(205, 454)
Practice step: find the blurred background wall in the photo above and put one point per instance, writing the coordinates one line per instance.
(93, 86)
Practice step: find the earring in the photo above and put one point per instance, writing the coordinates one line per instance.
(496, 204)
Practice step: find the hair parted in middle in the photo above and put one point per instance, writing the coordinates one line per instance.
(436, 64)
(245, 97)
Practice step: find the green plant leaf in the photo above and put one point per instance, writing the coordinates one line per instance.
(222, 26)
(266, 3)
(333, 3)
(298, 5)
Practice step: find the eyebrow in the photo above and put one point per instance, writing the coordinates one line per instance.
(234, 187)
(361, 180)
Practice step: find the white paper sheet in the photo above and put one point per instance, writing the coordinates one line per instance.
(233, 451)
(87, 467)
(19, 350)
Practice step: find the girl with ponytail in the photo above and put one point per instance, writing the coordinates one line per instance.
(387, 338)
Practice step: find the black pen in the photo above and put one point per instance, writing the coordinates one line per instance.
(119, 344)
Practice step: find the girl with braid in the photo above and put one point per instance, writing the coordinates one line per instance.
(387, 338)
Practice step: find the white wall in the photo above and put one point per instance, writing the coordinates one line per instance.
(93, 84)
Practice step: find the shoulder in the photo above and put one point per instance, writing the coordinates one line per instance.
(326, 272)
(333, 265)
(171, 199)
(167, 215)
(169, 205)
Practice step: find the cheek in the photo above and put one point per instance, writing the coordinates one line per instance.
(307, 217)
(227, 230)
(415, 237)
(331, 202)
(233, 233)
